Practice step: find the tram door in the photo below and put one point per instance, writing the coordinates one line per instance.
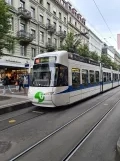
(61, 89)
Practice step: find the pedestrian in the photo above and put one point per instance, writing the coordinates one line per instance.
(20, 82)
(6, 83)
(25, 84)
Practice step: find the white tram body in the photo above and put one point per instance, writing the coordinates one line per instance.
(61, 78)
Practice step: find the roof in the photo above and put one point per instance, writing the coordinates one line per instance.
(52, 53)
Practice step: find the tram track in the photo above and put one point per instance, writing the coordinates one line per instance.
(19, 119)
(87, 135)
(4, 124)
(67, 124)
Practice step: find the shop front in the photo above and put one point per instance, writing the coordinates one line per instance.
(13, 67)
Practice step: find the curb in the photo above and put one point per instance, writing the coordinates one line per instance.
(118, 145)
(15, 106)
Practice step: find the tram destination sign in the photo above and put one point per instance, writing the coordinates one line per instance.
(50, 59)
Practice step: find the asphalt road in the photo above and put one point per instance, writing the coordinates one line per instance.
(56, 147)
(101, 145)
(15, 139)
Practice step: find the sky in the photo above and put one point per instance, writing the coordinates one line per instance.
(110, 10)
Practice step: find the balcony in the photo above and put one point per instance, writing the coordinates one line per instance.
(50, 28)
(24, 37)
(61, 34)
(50, 46)
(24, 13)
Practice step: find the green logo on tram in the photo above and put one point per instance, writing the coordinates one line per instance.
(40, 96)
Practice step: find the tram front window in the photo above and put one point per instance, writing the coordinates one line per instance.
(49, 75)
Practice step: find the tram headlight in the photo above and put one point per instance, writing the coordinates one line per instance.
(49, 93)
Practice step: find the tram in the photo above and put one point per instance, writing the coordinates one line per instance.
(61, 78)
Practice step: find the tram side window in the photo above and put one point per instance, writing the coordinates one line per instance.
(75, 77)
(61, 76)
(92, 76)
(119, 76)
(113, 77)
(109, 76)
(97, 76)
(116, 77)
(84, 77)
(104, 77)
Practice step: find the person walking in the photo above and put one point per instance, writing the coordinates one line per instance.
(20, 82)
(6, 83)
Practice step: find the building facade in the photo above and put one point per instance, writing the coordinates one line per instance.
(116, 55)
(77, 24)
(41, 24)
(95, 44)
(109, 52)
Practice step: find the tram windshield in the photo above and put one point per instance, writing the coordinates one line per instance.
(49, 75)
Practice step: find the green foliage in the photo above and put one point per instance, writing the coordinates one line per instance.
(105, 60)
(114, 66)
(94, 56)
(6, 39)
(71, 44)
(83, 50)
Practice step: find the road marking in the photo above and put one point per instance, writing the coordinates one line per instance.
(37, 112)
(105, 104)
(12, 121)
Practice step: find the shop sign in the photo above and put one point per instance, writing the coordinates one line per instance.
(13, 61)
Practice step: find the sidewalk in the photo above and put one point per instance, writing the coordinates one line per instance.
(11, 102)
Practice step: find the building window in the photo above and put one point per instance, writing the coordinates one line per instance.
(54, 11)
(41, 36)
(80, 28)
(22, 4)
(54, 24)
(23, 50)
(60, 28)
(12, 24)
(33, 12)
(48, 6)
(55, 41)
(41, 2)
(33, 51)
(41, 19)
(64, 19)
(70, 8)
(10, 2)
(33, 33)
(60, 43)
(41, 51)
(22, 26)
(64, 32)
(48, 21)
(75, 24)
(70, 19)
(49, 40)
(59, 15)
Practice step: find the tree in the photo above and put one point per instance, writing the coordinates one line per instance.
(105, 60)
(83, 50)
(114, 66)
(71, 43)
(6, 38)
(94, 56)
